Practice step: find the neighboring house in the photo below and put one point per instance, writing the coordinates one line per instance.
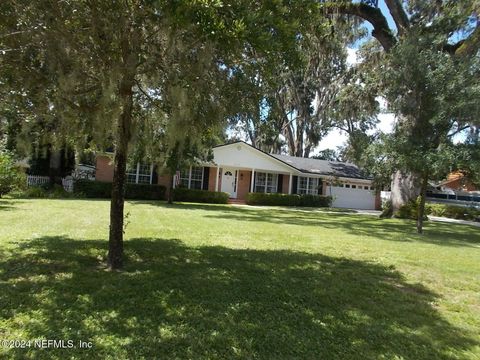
(457, 181)
(239, 168)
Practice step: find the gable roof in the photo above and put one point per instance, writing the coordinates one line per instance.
(313, 166)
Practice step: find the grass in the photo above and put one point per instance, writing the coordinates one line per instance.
(223, 282)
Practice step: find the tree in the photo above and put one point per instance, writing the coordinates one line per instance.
(293, 93)
(11, 178)
(354, 111)
(327, 154)
(434, 24)
(100, 67)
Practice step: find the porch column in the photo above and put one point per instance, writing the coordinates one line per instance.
(251, 180)
(290, 184)
(216, 178)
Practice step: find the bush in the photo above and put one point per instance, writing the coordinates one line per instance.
(455, 212)
(410, 210)
(98, 189)
(44, 192)
(35, 192)
(289, 200)
(11, 178)
(201, 196)
(145, 192)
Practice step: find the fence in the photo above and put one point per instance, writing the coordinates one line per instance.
(37, 180)
(445, 198)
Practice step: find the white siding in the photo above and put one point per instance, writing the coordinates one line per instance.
(239, 155)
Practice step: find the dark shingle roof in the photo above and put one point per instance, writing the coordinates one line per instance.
(323, 167)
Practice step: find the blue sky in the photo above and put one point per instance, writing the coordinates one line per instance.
(336, 137)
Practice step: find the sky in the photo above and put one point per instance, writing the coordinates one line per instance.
(338, 138)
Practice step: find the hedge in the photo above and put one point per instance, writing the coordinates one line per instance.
(99, 189)
(454, 212)
(409, 211)
(201, 196)
(289, 200)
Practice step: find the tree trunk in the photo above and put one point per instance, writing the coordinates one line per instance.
(405, 187)
(123, 134)
(170, 191)
(54, 167)
(421, 206)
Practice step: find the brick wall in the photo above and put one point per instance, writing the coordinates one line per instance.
(104, 168)
(211, 178)
(243, 187)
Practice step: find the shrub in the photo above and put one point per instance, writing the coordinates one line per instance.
(145, 192)
(201, 196)
(92, 189)
(410, 210)
(58, 192)
(289, 200)
(35, 192)
(455, 212)
(98, 189)
(11, 178)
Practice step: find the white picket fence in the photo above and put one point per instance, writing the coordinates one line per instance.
(37, 180)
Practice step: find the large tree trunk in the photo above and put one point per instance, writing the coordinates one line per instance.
(405, 187)
(123, 134)
(55, 164)
(421, 206)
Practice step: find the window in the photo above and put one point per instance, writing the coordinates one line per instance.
(260, 182)
(192, 177)
(354, 186)
(272, 183)
(140, 174)
(144, 174)
(347, 186)
(185, 177)
(308, 185)
(196, 178)
(365, 188)
(266, 183)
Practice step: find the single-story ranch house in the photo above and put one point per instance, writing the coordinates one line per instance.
(239, 168)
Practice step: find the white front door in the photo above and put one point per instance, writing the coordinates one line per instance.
(229, 182)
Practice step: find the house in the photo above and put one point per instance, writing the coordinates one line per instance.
(238, 168)
(457, 181)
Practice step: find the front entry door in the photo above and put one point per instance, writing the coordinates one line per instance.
(229, 182)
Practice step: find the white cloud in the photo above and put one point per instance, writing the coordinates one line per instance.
(337, 137)
(352, 58)
(332, 140)
(387, 120)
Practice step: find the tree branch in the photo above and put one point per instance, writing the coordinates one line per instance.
(469, 45)
(381, 30)
(399, 15)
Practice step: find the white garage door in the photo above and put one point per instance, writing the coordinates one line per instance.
(352, 198)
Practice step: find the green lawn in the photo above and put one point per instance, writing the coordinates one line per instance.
(216, 281)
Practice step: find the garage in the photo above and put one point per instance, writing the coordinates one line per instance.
(352, 196)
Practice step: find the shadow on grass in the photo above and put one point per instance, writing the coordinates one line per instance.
(8, 204)
(174, 301)
(438, 233)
